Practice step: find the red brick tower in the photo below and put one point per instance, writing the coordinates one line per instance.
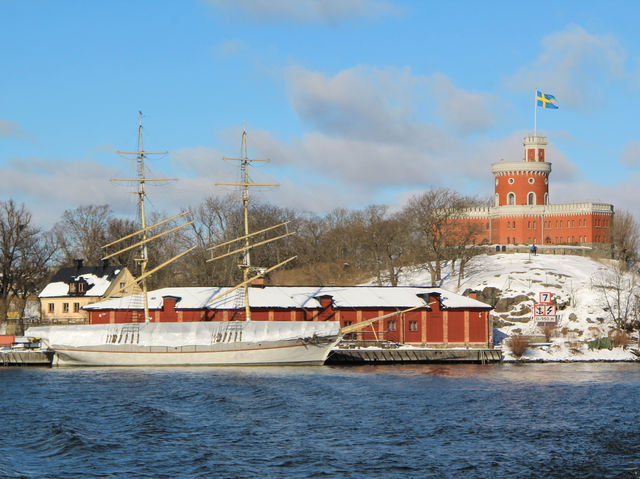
(524, 182)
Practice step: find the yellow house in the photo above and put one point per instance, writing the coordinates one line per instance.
(70, 289)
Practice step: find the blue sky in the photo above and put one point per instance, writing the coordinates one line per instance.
(354, 101)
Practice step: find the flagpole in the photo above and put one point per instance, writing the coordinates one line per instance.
(535, 112)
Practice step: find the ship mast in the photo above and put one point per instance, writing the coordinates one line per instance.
(143, 259)
(245, 265)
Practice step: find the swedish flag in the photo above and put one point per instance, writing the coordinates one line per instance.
(546, 101)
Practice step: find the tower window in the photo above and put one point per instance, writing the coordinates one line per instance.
(511, 181)
(532, 181)
(531, 198)
(511, 198)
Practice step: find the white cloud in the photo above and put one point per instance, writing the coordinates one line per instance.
(11, 129)
(379, 105)
(576, 66)
(465, 111)
(630, 154)
(307, 11)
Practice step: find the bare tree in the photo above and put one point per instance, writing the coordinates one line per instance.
(25, 255)
(82, 232)
(32, 272)
(385, 243)
(432, 216)
(626, 237)
(619, 294)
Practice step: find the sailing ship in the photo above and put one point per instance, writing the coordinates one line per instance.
(192, 343)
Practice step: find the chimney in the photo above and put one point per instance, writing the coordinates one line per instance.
(259, 282)
(473, 295)
(79, 262)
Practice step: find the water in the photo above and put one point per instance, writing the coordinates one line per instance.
(537, 420)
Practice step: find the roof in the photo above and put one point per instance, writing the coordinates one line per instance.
(98, 279)
(295, 297)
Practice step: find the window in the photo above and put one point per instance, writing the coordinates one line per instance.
(51, 308)
(413, 325)
(391, 325)
(497, 202)
(531, 181)
(511, 199)
(531, 199)
(65, 307)
(76, 307)
(508, 225)
(529, 225)
(546, 198)
(511, 180)
(514, 225)
(534, 225)
(81, 286)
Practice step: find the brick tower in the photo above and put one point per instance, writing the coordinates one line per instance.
(524, 182)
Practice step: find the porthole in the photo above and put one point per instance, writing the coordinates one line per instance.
(511, 180)
(531, 181)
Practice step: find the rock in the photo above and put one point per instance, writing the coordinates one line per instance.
(507, 304)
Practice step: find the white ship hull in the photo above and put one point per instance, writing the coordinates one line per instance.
(190, 344)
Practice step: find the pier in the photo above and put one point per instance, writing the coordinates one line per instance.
(384, 354)
(25, 357)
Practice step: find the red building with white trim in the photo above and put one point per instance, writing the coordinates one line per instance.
(442, 319)
(522, 213)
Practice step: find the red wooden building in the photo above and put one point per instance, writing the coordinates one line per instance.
(442, 319)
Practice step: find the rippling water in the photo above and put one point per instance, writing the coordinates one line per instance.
(536, 420)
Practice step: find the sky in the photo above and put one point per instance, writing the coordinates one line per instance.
(355, 102)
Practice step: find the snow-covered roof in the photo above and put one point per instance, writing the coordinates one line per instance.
(96, 285)
(290, 297)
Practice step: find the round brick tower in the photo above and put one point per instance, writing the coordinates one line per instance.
(524, 182)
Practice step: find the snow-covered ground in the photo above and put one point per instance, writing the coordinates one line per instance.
(518, 280)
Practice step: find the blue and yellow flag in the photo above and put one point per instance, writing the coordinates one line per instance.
(546, 101)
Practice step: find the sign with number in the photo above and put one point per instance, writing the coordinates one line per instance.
(545, 297)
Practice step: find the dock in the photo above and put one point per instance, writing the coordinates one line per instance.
(400, 355)
(25, 357)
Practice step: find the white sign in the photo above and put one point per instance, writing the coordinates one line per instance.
(545, 297)
(546, 319)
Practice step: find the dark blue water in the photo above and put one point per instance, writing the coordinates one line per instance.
(541, 420)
